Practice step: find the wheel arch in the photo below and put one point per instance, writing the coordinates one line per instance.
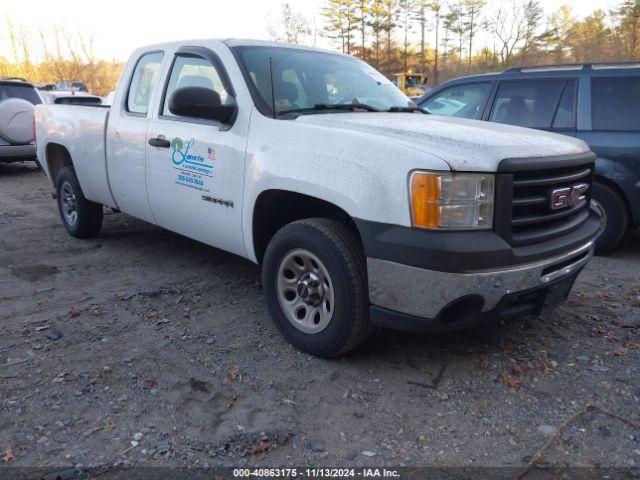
(57, 156)
(607, 182)
(275, 208)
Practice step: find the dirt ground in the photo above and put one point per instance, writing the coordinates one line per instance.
(141, 347)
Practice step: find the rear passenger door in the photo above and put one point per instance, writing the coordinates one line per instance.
(545, 104)
(613, 130)
(127, 136)
(615, 119)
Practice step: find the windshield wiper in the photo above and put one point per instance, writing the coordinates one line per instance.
(407, 109)
(318, 107)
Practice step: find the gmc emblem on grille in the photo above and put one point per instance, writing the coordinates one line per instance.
(568, 197)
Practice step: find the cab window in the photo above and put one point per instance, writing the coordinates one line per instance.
(458, 101)
(191, 71)
(142, 82)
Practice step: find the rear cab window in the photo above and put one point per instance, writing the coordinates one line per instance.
(16, 90)
(615, 103)
(462, 101)
(544, 103)
(143, 80)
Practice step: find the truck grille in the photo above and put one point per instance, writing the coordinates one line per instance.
(545, 203)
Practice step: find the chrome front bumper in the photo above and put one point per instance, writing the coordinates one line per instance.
(423, 293)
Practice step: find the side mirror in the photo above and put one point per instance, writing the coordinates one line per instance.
(199, 102)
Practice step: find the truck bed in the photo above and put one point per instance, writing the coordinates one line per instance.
(80, 129)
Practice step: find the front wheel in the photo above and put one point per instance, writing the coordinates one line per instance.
(81, 217)
(314, 278)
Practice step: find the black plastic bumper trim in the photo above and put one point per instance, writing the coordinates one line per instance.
(460, 252)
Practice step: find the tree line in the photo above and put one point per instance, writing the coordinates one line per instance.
(457, 37)
(56, 55)
(446, 38)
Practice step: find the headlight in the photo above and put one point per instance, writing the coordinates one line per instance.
(452, 201)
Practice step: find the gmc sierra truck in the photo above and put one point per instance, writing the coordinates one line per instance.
(361, 208)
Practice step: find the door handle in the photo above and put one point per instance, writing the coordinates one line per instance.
(159, 141)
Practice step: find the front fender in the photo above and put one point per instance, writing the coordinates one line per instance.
(363, 173)
(356, 190)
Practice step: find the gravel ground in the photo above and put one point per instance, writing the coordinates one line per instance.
(142, 347)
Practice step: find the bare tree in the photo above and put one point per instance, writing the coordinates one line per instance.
(291, 26)
(509, 27)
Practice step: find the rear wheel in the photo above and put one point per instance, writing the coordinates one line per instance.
(81, 217)
(617, 217)
(315, 285)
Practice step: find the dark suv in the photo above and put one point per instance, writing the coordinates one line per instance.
(598, 103)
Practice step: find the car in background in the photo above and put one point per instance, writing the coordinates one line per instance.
(72, 86)
(46, 87)
(595, 102)
(17, 100)
(70, 98)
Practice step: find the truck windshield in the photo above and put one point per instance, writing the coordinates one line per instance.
(306, 82)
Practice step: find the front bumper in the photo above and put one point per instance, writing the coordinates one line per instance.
(431, 300)
(16, 153)
(410, 297)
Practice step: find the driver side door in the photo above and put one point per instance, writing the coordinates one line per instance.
(195, 167)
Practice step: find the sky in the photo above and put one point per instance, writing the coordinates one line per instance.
(120, 26)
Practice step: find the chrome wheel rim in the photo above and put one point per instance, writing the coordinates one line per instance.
(305, 291)
(68, 203)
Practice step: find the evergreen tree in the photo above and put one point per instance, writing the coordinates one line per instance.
(363, 9)
(341, 22)
(376, 22)
(471, 10)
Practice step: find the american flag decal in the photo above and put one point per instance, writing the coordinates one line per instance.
(211, 153)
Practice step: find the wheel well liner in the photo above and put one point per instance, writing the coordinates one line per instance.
(276, 208)
(57, 156)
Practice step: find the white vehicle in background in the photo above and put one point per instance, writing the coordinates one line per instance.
(69, 98)
(17, 100)
(362, 209)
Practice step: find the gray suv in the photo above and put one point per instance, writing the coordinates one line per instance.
(17, 98)
(598, 103)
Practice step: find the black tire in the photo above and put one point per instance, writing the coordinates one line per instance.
(617, 217)
(339, 249)
(88, 218)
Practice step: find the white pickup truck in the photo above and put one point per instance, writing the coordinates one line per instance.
(362, 209)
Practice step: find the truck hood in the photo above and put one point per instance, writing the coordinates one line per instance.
(466, 145)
